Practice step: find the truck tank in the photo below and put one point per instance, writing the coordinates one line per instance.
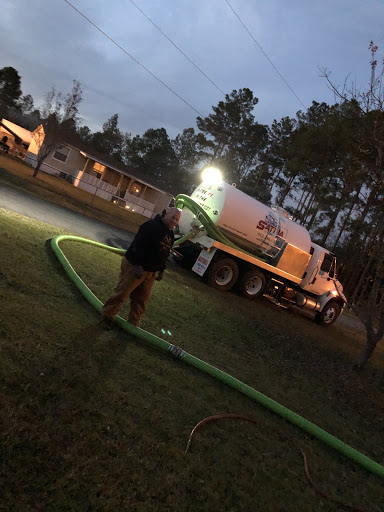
(251, 225)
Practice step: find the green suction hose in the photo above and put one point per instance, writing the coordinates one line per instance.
(178, 353)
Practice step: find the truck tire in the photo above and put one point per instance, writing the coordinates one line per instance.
(223, 274)
(329, 314)
(252, 284)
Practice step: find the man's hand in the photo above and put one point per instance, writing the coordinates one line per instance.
(138, 271)
(160, 275)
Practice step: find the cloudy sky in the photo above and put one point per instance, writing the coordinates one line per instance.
(50, 44)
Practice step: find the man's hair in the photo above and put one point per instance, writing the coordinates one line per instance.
(170, 209)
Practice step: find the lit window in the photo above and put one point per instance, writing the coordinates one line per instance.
(61, 154)
(98, 167)
(97, 170)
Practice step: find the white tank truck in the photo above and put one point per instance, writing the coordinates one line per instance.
(232, 239)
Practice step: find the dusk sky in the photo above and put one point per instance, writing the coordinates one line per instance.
(50, 44)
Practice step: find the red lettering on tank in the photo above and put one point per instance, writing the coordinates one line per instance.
(261, 225)
(272, 229)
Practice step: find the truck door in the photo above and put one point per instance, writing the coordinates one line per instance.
(320, 282)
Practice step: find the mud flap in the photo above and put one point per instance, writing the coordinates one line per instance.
(203, 261)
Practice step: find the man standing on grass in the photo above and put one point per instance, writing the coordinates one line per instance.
(142, 265)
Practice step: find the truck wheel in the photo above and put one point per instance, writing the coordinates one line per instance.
(223, 274)
(252, 284)
(329, 314)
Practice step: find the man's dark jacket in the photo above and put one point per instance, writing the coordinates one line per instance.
(151, 245)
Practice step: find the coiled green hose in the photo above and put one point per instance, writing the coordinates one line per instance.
(178, 353)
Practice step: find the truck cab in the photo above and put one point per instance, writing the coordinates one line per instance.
(321, 272)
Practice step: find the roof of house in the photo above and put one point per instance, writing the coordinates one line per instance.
(25, 135)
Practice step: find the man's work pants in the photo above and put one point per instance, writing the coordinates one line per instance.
(139, 289)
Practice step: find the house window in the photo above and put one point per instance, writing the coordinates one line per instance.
(98, 167)
(61, 154)
(97, 170)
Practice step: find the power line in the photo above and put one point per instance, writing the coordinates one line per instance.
(177, 48)
(261, 49)
(131, 56)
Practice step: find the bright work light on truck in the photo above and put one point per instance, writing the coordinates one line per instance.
(212, 176)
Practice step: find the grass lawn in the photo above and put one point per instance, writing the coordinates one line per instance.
(99, 421)
(18, 174)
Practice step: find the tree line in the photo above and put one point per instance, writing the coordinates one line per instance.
(324, 166)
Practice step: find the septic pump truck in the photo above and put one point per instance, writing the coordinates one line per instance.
(231, 239)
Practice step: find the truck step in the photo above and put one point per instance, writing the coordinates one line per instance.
(275, 301)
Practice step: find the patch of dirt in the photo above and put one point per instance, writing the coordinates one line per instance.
(351, 323)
